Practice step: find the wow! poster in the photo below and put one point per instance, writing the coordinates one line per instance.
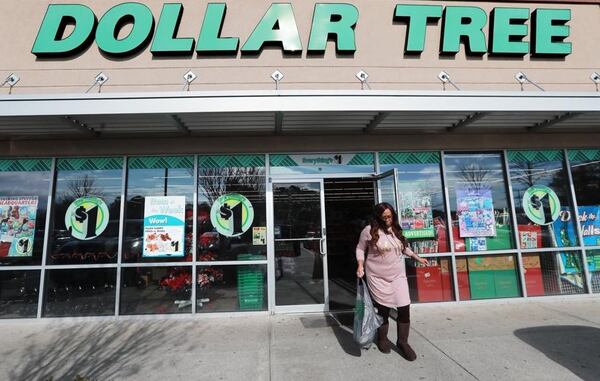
(17, 225)
(164, 226)
(475, 210)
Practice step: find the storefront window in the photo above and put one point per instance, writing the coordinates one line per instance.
(24, 186)
(232, 213)
(487, 277)
(432, 282)
(585, 169)
(80, 292)
(86, 212)
(479, 205)
(19, 292)
(593, 261)
(231, 288)
(541, 198)
(554, 273)
(303, 164)
(421, 194)
(156, 290)
(159, 222)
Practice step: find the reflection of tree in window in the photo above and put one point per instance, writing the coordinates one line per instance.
(248, 181)
(81, 187)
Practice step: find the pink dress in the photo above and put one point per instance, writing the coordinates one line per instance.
(384, 267)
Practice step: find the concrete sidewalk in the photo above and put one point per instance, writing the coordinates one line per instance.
(535, 339)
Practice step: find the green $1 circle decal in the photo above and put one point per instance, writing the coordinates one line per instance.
(87, 217)
(232, 214)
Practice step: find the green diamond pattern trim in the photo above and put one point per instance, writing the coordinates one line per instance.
(25, 165)
(534, 156)
(362, 159)
(90, 164)
(231, 161)
(282, 161)
(159, 162)
(409, 158)
(584, 155)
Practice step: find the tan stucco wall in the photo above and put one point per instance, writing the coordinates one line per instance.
(380, 45)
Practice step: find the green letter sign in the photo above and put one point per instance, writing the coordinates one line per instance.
(504, 31)
(50, 40)
(165, 40)
(416, 17)
(550, 32)
(210, 40)
(337, 19)
(464, 23)
(278, 25)
(111, 23)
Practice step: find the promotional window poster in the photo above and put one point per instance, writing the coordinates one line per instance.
(416, 216)
(589, 216)
(164, 226)
(475, 210)
(564, 232)
(17, 226)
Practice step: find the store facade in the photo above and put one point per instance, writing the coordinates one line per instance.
(242, 193)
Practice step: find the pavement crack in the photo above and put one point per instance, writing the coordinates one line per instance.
(445, 354)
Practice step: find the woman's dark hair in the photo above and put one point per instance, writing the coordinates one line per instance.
(378, 223)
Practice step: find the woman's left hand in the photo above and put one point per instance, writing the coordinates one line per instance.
(422, 261)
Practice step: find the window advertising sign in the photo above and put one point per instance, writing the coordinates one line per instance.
(416, 216)
(17, 226)
(87, 218)
(232, 214)
(164, 226)
(475, 210)
(541, 204)
(589, 216)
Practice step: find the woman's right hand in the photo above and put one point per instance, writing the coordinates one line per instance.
(360, 271)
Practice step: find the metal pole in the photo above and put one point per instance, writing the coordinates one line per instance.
(46, 237)
(450, 239)
(195, 234)
(121, 234)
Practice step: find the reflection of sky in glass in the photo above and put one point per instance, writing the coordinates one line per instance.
(154, 182)
(24, 183)
(103, 183)
(483, 170)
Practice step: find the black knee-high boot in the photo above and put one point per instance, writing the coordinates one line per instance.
(405, 350)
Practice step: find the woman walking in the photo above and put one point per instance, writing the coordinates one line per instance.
(386, 247)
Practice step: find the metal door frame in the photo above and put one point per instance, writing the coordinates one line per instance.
(273, 307)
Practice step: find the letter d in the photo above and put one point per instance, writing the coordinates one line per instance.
(51, 42)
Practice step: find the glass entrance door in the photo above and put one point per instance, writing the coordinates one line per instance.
(299, 237)
(387, 188)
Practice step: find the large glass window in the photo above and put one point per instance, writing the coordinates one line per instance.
(80, 292)
(542, 199)
(554, 273)
(19, 292)
(298, 164)
(478, 201)
(232, 220)
(159, 223)
(231, 288)
(24, 187)
(421, 196)
(156, 290)
(585, 169)
(432, 282)
(86, 212)
(487, 277)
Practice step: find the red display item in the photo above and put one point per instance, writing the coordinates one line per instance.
(530, 236)
(446, 282)
(459, 243)
(462, 274)
(429, 284)
(534, 281)
(442, 237)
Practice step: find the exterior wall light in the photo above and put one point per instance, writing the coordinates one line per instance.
(100, 80)
(595, 77)
(189, 77)
(522, 79)
(11, 81)
(362, 77)
(277, 76)
(445, 78)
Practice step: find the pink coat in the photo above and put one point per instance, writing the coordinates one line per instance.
(385, 268)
